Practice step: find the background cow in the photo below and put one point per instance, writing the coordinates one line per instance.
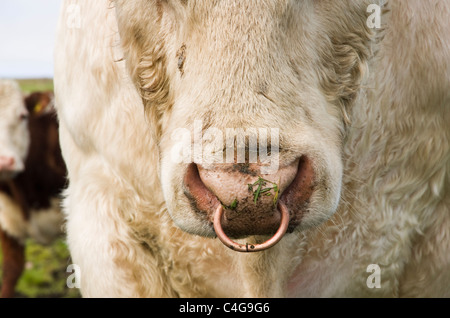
(31, 181)
(364, 148)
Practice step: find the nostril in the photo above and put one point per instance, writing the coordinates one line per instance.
(298, 194)
(202, 199)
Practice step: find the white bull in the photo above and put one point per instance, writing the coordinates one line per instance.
(363, 148)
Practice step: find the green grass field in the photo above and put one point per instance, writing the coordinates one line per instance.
(33, 85)
(45, 268)
(45, 271)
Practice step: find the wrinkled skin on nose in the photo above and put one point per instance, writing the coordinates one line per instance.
(249, 198)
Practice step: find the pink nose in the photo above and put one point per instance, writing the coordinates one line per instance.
(249, 198)
(6, 163)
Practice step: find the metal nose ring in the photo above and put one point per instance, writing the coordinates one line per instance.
(251, 247)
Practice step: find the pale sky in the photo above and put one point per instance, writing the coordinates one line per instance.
(27, 36)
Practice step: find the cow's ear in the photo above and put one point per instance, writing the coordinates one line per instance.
(39, 103)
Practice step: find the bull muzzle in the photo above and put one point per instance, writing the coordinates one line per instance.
(239, 202)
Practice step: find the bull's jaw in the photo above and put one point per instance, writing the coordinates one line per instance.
(266, 274)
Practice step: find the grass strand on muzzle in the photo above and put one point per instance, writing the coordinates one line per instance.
(260, 183)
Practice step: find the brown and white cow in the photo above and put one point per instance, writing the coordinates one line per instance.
(152, 94)
(31, 182)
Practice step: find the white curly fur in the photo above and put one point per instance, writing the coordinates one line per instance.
(389, 113)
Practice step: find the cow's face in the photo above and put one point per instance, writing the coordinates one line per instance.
(14, 136)
(287, 70)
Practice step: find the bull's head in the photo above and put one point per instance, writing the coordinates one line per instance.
(221, 80)
(14, 136)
